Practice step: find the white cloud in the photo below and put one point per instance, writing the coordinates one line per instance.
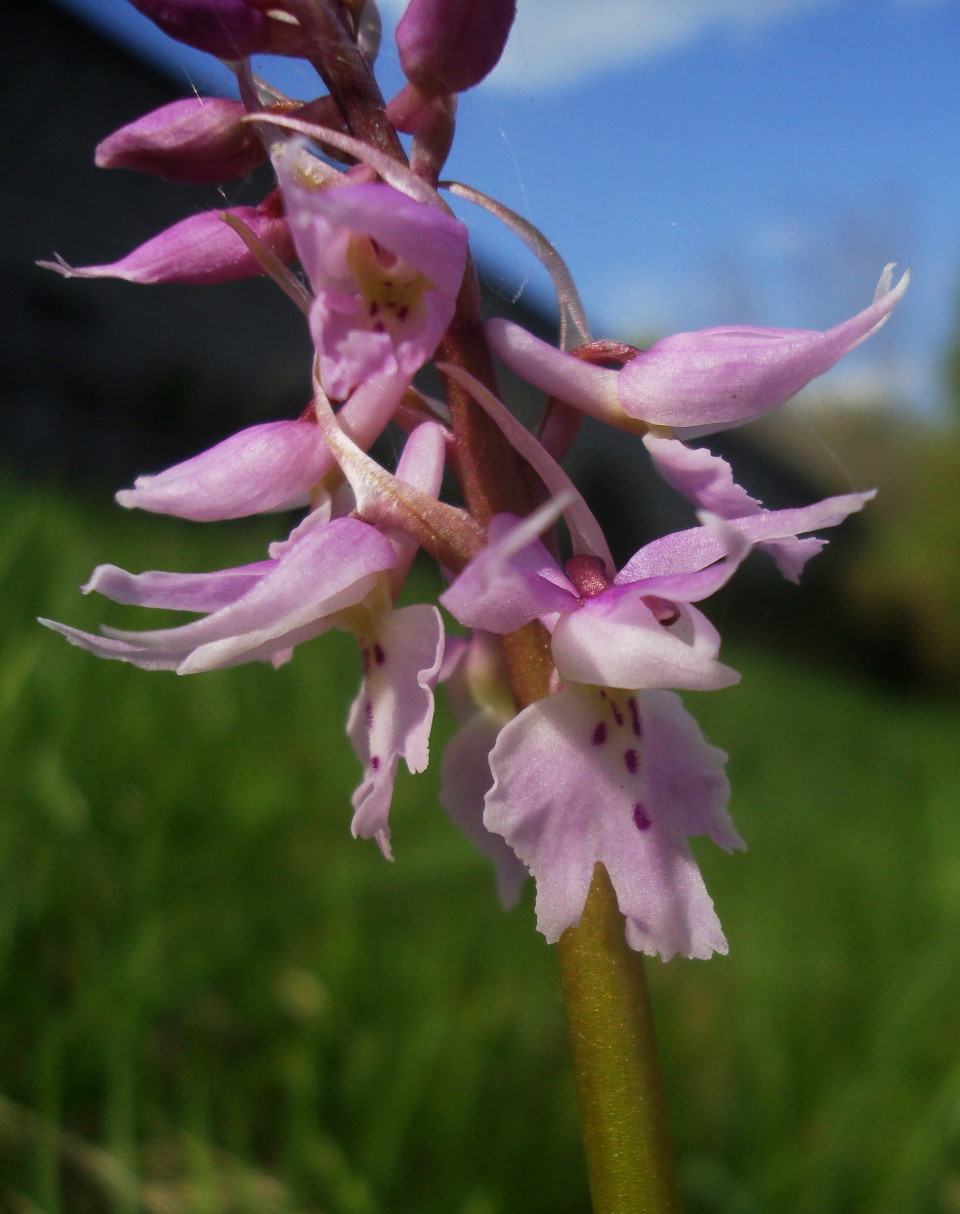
(557, 43)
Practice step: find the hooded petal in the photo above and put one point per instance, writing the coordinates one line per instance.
(578, 782)
(616, 640)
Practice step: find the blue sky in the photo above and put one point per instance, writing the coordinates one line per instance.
(703, 162)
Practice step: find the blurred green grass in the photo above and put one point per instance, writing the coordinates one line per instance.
(215, 1000)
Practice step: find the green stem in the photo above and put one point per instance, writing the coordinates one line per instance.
(619, 1086)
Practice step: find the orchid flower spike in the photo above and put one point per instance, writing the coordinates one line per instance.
(708, 380)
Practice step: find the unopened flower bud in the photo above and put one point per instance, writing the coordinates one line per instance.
(448, 46)
(200, 249)
(196, 141)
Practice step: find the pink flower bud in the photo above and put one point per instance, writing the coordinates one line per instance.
(229, 29)
(197, 250)
(195, 141)
(447, 46)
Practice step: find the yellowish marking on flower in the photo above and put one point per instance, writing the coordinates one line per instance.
(391, 288)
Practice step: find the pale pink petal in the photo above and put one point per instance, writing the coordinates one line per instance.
(272, 466)
(707, 481)
(725, 376)
(421, 465)
(198, 250)
(703, 478)
(203, 592)
(591, 389)
(616, 640)
(390, 718)
(576, 785)
(331, 568)
(698, 547)
(511, 581)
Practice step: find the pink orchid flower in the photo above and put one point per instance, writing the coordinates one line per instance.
(402, 651)
(613, 727)
(385, 270)
(254, 612)
(448, 46)
(328, 573)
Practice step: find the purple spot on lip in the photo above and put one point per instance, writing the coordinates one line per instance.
(635, 720)
(368, 714)
(375, 766)
(599, 734)
(378, 654)
(640, 819)
(617, 714)
(631, 760)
